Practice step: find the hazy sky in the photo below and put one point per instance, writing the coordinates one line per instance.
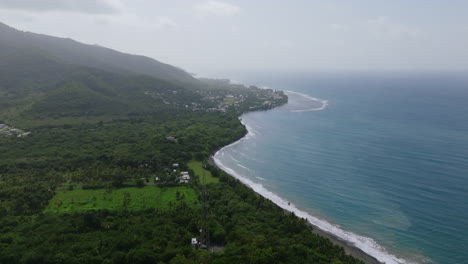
(212, 37)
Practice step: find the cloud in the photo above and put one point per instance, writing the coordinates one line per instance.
(235, 29)
(136, 22)
(218, 8)
(339, 27)
(384, 26)
(164, 22)
(80, 6)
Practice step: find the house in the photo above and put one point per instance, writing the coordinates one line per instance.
(194, 243)
(170, 138)
(181, 180)
(2, 126)
(184, 173)
(24, 134)
(175, 165)
(185, 177)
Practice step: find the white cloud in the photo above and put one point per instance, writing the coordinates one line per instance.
(383, 26)
(136, 22)
(218, 8)
(235, 29)
(164, 22)
(81, 6)
(340, 27)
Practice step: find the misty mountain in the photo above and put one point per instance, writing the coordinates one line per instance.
(72, 52)
(38, 85)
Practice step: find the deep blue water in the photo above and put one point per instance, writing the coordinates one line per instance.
(387, 158)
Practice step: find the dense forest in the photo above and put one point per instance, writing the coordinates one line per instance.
(100, 166)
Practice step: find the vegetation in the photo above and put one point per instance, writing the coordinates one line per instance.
(203, 174)
(133, 198)
(97, 177)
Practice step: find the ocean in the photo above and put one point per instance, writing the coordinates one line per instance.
(378, 159)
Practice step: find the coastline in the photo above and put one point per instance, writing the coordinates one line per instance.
(349, 248)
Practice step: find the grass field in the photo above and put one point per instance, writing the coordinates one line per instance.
(126, 198)
(204, 175)
(229, 100)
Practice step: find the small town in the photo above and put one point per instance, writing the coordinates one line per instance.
(222, 95)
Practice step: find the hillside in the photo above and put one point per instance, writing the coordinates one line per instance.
(73, 52)
(37, 86)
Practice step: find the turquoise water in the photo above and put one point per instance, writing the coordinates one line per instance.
(383, 162)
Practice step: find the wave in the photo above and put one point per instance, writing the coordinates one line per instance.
(366, 244)
(242, 166)
(234, 159)
(324, 103)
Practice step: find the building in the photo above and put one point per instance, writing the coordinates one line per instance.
(194, 243)
(170, 138)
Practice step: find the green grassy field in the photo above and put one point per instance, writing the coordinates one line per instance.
(204, 175)
(126, 198)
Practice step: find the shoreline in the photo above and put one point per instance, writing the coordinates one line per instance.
(347, 246)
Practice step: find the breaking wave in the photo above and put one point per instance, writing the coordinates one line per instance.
(319, 104)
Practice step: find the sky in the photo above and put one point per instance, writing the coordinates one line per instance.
(211, 37)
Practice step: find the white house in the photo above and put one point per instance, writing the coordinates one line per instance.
(194, 242)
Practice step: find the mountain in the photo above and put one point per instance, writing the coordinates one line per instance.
(72, 52)
(46, 79)
(35, 86)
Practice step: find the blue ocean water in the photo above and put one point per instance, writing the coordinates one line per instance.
(383, 165)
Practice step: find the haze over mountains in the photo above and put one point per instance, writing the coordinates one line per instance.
(45, 77)
(72, 52)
